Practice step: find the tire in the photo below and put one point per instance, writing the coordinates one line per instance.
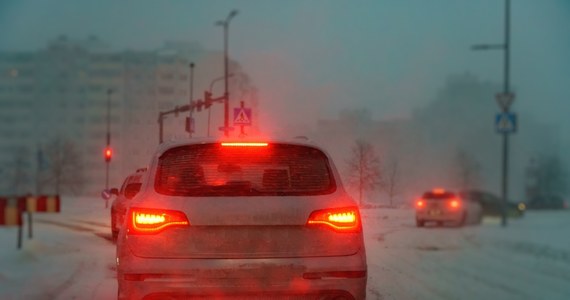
(120, 294)
(419, 223)
(114, 232)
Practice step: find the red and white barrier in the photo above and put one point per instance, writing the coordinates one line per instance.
(10, 212)
(42, 204)
(12, 208)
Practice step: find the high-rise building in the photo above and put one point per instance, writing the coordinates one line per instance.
(62, 93)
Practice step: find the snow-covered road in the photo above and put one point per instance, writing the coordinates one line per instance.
(530, 259)
(71, 257)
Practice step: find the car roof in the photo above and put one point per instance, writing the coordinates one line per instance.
(136, 174)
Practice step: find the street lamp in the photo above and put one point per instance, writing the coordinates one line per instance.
(505, 100)
(225, 24)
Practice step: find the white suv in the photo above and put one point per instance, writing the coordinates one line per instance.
(242, 220)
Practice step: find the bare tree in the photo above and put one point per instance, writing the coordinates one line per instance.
(363, 168)
(391, 183)
(467, 171)
(64, 167)
(551, 175)
(19, 175)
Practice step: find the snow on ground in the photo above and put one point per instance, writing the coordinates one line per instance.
(530, 259)
(71, 257)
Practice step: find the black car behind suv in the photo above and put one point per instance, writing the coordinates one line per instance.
(492, 204)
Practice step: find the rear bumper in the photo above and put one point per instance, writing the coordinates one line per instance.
(267, 278)
(443, 216)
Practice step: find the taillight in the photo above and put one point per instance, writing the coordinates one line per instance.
(420, 203)
(244, 144)
(150, 221)
(345, 219)
(438, 191)
(455, 203)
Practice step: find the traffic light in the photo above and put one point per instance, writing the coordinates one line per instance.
(207, 99)
(108, 154)
(190, 125)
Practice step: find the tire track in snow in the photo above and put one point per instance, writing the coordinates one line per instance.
(60, 289)
(401, 276)
(80, 228)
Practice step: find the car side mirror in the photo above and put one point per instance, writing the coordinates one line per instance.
(107, 194)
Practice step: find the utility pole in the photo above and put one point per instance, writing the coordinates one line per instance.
(505, 100)
(506, 91)
(225, 24)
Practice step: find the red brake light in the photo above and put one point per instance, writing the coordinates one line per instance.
(150, 221)
(455, 203)
(420, 203)
(244, 144)
(438, 191)
(345, 219)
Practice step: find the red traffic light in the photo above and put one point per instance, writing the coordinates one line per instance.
(108, 154)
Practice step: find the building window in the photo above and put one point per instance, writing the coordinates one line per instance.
(165, 90)
(167, 76)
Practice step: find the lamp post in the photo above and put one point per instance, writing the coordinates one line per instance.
(505, 106)
(225, 24)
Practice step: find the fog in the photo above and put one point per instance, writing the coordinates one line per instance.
(311, 60)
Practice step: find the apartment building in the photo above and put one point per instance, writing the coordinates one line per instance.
(64, 90)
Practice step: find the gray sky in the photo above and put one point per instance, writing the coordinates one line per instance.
(313, 58)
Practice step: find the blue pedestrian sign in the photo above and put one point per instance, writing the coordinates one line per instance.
(506, 122)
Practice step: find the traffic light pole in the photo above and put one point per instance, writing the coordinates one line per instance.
(107, 160)
(226, 93)
(191, 92)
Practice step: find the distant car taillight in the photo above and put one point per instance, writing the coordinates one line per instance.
(150, 221)
(454, 203)
(420, 203)
(340, 219)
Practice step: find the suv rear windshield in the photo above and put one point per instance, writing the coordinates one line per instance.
(215, 170)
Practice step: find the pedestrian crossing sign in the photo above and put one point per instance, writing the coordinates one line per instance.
(506, 122)
(242, 116)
